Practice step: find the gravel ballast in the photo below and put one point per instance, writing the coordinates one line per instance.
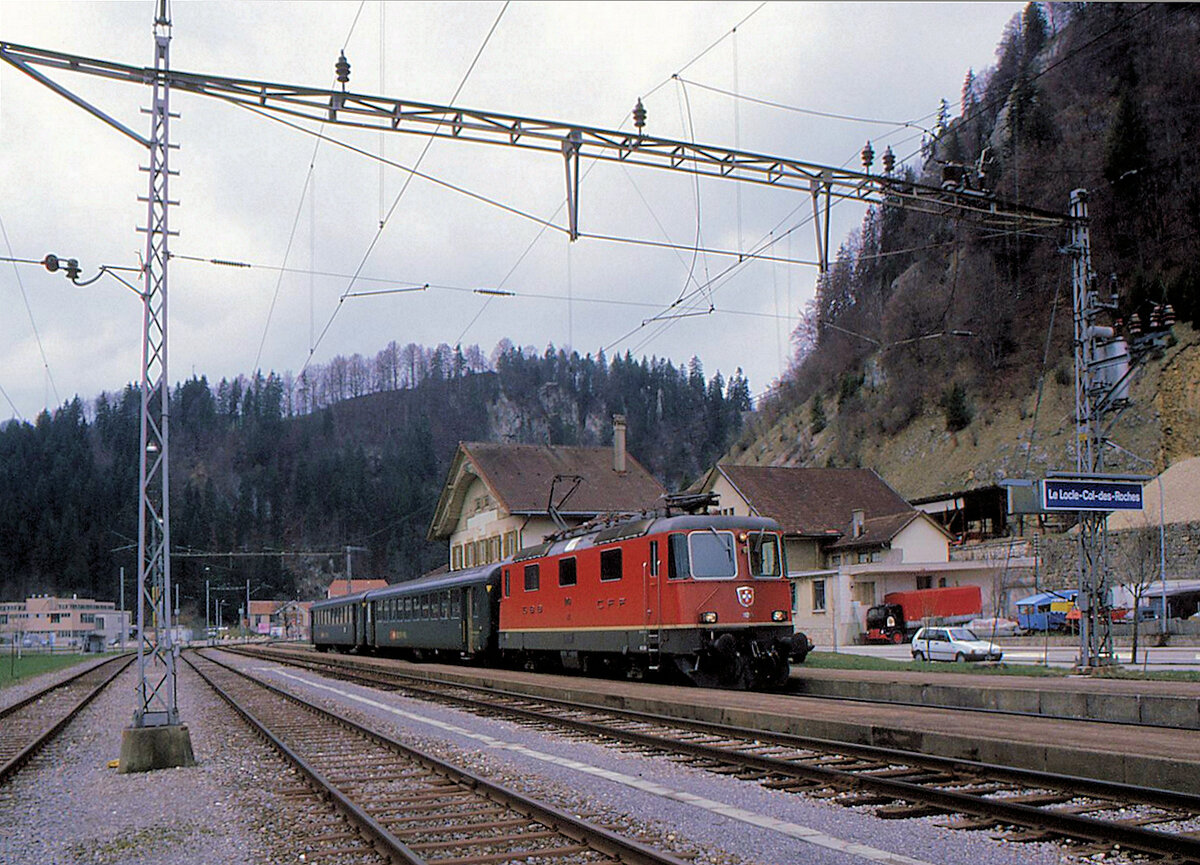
(241, 804)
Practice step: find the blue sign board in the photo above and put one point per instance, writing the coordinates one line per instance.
(1084, 495)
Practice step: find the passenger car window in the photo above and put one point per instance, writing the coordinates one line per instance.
(712, 555)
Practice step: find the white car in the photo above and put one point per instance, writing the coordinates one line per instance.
(953, 644)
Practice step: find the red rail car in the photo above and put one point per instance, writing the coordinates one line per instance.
(706, 594)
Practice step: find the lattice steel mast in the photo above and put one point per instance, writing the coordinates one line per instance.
(1095, 639)
(156, 703)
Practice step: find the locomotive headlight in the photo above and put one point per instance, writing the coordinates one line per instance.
(778, 616)
(708, 618)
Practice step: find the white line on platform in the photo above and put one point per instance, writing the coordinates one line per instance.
(794, 830)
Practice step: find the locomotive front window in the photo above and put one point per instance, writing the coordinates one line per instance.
(765, 560)
(712, 555)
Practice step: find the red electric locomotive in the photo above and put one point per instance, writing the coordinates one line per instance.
(704, 593)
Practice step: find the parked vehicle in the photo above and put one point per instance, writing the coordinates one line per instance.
(902, 613)
(995, 627)
(1046, 611)
(953, 644)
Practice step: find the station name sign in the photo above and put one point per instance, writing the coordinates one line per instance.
(1088, 495)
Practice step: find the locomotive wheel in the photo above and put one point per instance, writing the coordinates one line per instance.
(897, 637)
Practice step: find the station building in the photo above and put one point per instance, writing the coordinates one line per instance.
(502, 497)
(285, 620)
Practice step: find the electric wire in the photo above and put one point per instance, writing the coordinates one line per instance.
(811, 112)
(583, 178)
(686, 104)
(309, 184)
(29, 311)
(400, 195)
(402, 286)
(697, 58)
(12, 405)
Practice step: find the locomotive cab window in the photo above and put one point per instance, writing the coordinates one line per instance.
(610, 564)
(532, 578)
(712, 555)
(567, 573)
(678, 567)
(765, 558)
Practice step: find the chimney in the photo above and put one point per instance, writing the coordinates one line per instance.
(857, 517)
(619, 443)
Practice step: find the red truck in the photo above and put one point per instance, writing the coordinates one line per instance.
(901, 613)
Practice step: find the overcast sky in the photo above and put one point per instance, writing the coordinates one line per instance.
(247, 192)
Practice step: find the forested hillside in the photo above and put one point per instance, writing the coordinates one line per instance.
(351, 453)
(927, 317)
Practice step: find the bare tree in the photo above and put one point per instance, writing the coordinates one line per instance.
(1137, 561)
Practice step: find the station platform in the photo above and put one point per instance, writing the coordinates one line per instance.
(1088, 698)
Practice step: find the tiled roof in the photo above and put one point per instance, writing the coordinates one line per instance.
(876, 531)
(817, 501)
(521, 476)
(337, 587)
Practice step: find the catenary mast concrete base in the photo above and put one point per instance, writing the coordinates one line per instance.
(144, 749)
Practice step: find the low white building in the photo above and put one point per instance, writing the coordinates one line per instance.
(850, 540)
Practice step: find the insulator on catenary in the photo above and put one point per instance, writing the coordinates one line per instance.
(889, 161)
(868, 157)
(342, 68)
(639, 115)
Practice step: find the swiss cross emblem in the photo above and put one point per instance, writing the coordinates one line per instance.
(745, 595)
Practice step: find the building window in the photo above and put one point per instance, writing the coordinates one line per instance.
(818, 599)
(532, 578)
(835, 560)
(863, 558)
(566, 572)
(510, 544)
(924, 581)
(610, 564)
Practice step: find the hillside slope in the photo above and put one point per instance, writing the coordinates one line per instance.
(922, 353)
(1162, 424)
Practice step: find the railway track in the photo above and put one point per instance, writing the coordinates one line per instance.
(26, 726)
(408, 805)
(1015, 804)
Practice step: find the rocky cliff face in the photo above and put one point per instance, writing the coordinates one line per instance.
(1007, 438)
